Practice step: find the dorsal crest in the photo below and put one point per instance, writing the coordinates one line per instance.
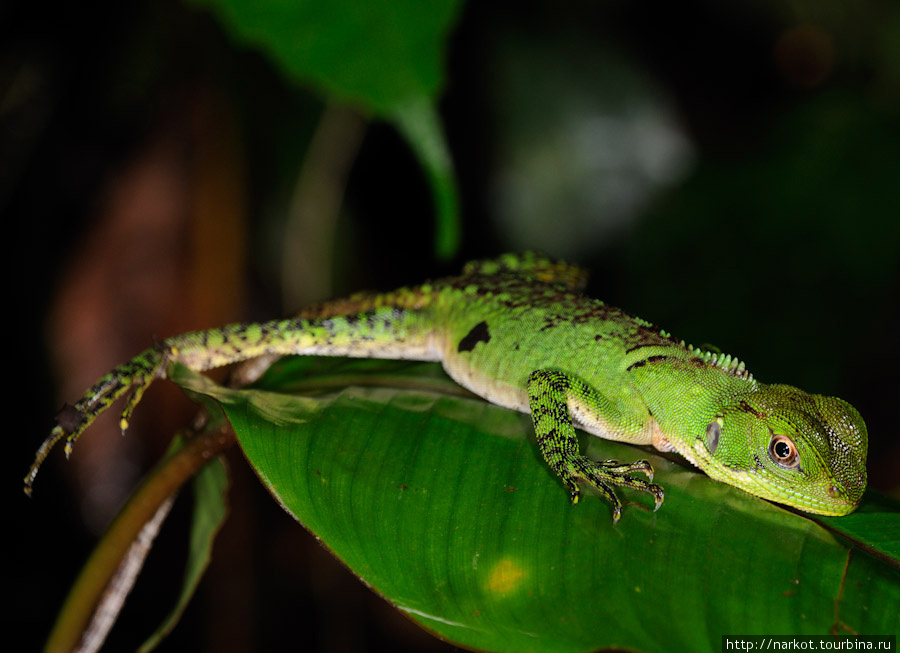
(725, 362)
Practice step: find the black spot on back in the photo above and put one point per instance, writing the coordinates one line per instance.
(479, 333)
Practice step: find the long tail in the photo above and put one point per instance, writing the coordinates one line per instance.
(370, 326)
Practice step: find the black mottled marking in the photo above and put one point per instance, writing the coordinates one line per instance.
(541, 410)
(747, 408)
(479, 333)
(646, 335)
(579, 310)
(757, 462)
(598, 338)
(649, 359)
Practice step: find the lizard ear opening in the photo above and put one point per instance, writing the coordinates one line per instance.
(783, 452)
(713, 431)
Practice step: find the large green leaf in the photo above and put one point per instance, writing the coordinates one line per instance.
(442, 504)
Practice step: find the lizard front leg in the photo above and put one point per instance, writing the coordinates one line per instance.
(549, 392)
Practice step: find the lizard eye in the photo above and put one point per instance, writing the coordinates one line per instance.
(783, 452)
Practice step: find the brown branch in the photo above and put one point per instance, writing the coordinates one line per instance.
(90, 592)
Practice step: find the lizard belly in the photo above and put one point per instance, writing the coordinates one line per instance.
(497, 391)
(513, 395)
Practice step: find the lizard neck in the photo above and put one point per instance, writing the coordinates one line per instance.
(684, 395)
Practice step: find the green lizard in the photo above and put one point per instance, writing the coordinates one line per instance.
(516, 331)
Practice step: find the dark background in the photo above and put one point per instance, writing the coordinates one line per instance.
(730, 173)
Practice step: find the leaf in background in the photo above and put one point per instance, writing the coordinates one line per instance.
(210, 511)
(419, 122)
(94, 601)
(383, 56)
(443, 505)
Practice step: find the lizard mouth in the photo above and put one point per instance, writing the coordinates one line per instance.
(828, 499)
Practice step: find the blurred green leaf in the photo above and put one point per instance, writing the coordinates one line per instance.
(418, 121)
(375, 54)
(210, 511)
(386, 57)
(443, 506)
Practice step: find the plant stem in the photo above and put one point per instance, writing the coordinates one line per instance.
(163, 482)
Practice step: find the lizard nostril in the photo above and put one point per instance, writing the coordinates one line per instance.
(834, 492)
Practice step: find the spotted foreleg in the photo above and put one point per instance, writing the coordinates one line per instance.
(549, 393)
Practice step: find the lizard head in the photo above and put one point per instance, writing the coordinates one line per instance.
(788, 446)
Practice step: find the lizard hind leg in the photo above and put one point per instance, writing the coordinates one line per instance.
(133, 376)
(549, 392)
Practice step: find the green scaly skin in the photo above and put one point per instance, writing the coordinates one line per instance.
(516, 331)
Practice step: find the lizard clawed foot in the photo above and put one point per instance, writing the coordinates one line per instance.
(615, 467)
(72, 421)
(604, 474)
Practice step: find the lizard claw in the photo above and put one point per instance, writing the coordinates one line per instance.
(617, 513)
(574, 496)
(658, 494)
(602, 475)
(642, 466)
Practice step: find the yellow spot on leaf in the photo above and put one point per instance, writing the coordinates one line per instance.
(505, 577)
